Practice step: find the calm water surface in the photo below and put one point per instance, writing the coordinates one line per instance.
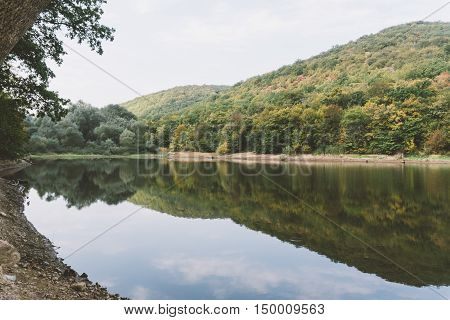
(235, 231)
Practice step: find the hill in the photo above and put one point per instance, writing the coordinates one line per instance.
(159, 104)
(383, 93)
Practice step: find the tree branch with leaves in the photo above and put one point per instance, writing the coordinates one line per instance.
(25, 72)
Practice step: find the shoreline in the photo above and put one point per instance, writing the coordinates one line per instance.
(11, 166)
(30, 268)
(250, 157)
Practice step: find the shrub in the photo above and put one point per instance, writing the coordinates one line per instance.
(223, 148)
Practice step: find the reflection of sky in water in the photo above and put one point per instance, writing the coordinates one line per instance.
(157, 256)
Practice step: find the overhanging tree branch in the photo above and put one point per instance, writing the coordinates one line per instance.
(16, 17)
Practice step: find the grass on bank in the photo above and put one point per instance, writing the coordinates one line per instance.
(74, 156)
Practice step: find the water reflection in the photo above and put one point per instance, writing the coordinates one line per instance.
(401, 211)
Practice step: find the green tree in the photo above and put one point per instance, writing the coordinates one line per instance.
(86, 117)
(330, 122)
(71, 19)
(354, 129)
(12, 131)
(113, 112)
(69, 135)
(127, 138)
(25, 72)
(108, 131)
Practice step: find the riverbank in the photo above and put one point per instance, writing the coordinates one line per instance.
(250, 157)
(29, 265)
(11, 166)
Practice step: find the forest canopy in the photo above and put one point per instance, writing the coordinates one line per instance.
(385, 93)
(86, 129)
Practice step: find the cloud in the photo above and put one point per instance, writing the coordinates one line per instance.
(243, 275)
(140, 293)
(223, 27)
(143, 7)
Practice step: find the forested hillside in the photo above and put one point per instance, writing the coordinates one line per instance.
(157, 105)
(384, 93)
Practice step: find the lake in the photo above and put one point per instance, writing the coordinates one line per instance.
(155, 229)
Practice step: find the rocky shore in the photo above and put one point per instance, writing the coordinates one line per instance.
(29, 265)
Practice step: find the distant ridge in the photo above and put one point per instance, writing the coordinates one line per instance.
(162, 103)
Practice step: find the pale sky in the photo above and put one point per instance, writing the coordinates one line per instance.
(160, 44)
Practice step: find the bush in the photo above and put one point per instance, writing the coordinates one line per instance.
(334, 150)
(223, 148)
(288, 150)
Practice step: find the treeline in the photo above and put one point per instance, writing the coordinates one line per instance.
(408, 117)
(386, 93)
(86, 129)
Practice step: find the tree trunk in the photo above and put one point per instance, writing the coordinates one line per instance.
(16, 17)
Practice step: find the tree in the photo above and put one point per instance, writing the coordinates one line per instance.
(127, 138)
(113, 112)
(12, 131)
(108, 131)
(25, 72)
(438, 142)
(355, 125)
(108, 146)
(15, 18)
(182, 139)
(330, 118)
(86, 117)
(69, 135)
(46, 128)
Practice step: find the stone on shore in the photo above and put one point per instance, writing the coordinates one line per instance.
(79, 286)
(9, 256)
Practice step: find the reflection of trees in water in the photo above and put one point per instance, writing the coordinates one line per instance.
(82, 182)
(401, 211)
